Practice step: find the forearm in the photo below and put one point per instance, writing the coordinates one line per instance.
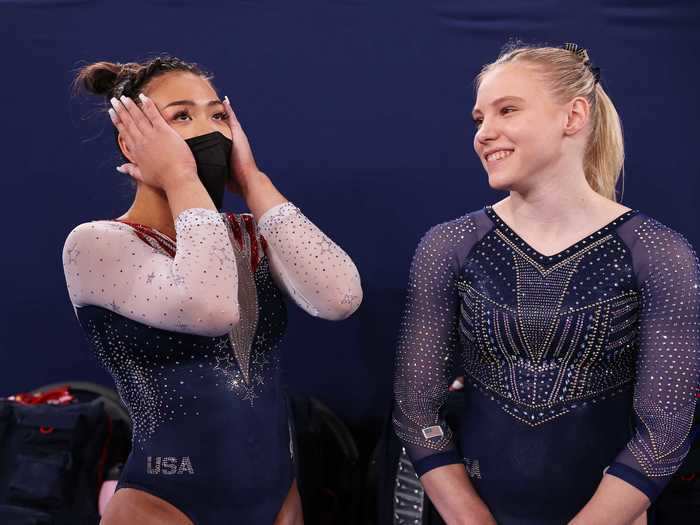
(260, 194)
(185, 191)
(454, 496)
(615, 502)
(305, 263)
(204, 268)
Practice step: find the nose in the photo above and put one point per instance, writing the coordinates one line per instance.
(203, 127)
(486, 133)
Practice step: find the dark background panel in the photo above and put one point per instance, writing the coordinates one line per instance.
(358, 110)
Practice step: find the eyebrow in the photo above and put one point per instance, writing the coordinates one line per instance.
(499, 100)
(192, 103)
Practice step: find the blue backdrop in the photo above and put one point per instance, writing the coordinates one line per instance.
(358, 110)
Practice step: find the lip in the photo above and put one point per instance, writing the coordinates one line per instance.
(495, 150)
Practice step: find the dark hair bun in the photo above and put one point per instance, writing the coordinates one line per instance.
(111, 79)
(99, 78)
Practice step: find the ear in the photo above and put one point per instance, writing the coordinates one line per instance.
(577, 116)
(124, 148)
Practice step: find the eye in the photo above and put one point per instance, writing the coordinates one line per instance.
(507, 109)
(477, 122)
(180, 114)
(220, 116)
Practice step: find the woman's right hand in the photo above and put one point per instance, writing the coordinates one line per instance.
(159, 156)
(455, 498)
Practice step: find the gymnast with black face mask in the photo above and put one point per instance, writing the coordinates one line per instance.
(184, 305)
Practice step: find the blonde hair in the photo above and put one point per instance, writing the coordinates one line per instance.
(570, 75)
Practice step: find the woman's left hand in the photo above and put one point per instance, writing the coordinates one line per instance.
(243, 166)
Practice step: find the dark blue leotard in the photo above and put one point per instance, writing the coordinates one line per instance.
(574, 363)
(190, 334)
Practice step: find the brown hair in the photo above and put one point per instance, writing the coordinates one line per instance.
(113, 79)
(570, 75)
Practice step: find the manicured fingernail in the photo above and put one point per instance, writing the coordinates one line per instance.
(226, 100)
(143, 97)
(123, 99)
(120, 169)
(112, 114)
(114, 102)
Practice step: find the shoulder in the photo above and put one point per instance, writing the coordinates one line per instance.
(91, 245)
(455, 230)
(657, 237)
(100, 242)
(657, 248)
(452, 238)
(98, 233)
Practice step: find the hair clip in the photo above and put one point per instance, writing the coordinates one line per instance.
(575, 49)
(583, 54)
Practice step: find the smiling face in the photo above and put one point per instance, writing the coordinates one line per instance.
(521, 128)
(189, 104)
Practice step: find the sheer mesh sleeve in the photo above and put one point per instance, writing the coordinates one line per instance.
(106, 264)
(426, 348)
(308, 266)
(668, 365)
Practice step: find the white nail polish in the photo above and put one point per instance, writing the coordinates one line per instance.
(114, 102)
(143, 97)
(120, 169)
(112, 113)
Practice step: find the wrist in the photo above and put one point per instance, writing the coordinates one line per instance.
(253, 182)
(479, 515)
(468, 512)
(176, 179)
(183, 186)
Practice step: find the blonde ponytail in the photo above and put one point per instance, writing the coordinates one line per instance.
(605, 154)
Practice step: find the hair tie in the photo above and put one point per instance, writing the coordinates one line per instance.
(582, 53)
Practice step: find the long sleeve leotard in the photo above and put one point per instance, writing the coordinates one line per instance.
(575, 363)
(190, 330)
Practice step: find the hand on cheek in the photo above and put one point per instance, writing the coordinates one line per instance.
(243, 166)
(159, 156)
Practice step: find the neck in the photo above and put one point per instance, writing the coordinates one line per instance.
(559, 198)
(150, 208)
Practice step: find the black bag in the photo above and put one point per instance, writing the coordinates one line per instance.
(328, 476)
(53, 457)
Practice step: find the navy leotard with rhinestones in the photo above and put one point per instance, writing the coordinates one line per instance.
(574, 363)
(206, 440)
(190, 333)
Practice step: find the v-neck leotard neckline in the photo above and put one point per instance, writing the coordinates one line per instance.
(586, 241)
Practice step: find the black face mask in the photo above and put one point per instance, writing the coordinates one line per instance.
(212, 153)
